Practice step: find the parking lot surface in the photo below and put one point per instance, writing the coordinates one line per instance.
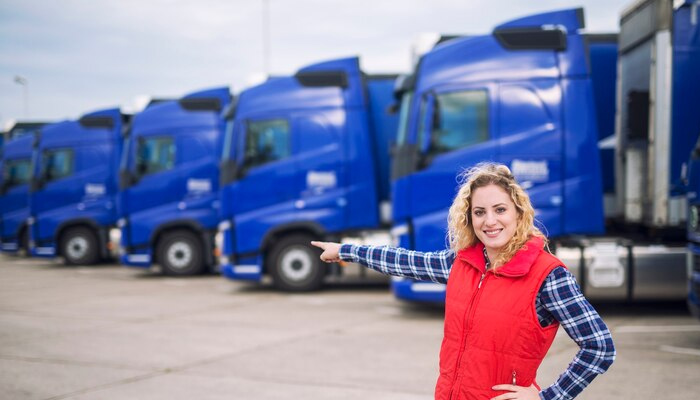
(108, 332)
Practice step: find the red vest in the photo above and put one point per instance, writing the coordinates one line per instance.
(492, 334)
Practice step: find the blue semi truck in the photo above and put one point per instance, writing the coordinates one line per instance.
(305, 157)
(169, 180)
(73, 193)
(536, 95)
(15, 175)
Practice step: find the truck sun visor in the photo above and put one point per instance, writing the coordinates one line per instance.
(201, 104)
(322, 78)
(97, 122)
(535, 38)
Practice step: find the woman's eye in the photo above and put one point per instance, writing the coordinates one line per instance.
(500, 210)
(478, 213)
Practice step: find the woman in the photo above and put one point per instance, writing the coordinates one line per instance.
(506, 296)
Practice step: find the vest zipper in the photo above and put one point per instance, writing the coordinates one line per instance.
(513, 377)
(466, 323)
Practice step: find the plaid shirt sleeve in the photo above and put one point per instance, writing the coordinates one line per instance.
(561, 297)
(424, 266)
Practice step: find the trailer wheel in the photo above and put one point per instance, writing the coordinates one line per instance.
(295, 265)
(180, 254)
(79, 246)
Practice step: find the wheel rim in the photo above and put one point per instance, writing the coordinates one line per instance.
(77, 247)
(179, 255)
(296, 264)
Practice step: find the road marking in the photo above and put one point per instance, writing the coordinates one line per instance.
(657, 329)
(680, 350)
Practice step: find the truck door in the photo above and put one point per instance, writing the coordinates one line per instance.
(322, 196)
(159, 184)
(455, 131)
(61, 187)
(531, 144)
(263, 196)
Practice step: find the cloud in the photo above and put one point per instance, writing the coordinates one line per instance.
(78, 55)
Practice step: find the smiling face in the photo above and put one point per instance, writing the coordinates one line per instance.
(494, 218)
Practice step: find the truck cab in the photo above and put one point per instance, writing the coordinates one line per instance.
(521, 96)
(305, 158)
(168, 206)
(536, 95)
(15, 175)
(72, 197)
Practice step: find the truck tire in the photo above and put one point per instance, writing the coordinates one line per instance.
(180, 254)
(79, 246)
(295, 265)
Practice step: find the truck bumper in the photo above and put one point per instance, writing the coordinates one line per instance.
(139, 260)
(244, 271)
(45, 250)
(10, 246)
(418, 291)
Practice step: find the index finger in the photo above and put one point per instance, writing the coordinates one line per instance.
(318, 244)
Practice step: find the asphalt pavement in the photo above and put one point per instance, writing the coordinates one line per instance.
(110, 332)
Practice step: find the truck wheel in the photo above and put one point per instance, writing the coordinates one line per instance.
(79, 247)
(180, 254)
(295, 265)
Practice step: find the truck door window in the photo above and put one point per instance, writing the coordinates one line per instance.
(155, 154)
(16, 172)
(459, 119)
(266, 141)
(57, 164)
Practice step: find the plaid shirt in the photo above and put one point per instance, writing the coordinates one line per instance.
(559, 299)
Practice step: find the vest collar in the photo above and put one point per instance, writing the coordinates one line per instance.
(517, 266)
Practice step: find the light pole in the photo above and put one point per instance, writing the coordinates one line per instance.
(20, 80)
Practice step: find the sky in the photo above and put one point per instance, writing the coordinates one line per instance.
(77, 56)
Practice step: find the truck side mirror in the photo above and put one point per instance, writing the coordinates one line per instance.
(393, 108)
(126, 179)
(36, 183)
(140, 169)
(229, 172)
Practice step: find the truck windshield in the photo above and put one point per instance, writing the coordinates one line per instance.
(228, 140)
(403, 118)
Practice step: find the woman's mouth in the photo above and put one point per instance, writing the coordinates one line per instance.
(493, 232)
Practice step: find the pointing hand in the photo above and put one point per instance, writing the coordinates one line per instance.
(330, 251)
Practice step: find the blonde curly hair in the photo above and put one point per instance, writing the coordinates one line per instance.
(460, 232)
